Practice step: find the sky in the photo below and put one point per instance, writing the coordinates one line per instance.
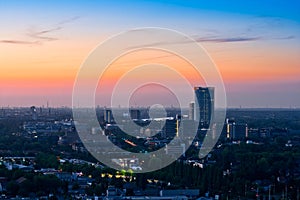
(254, 44)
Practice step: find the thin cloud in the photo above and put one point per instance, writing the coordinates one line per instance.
(18, 42)
(200, 39)
(215, 39)
(285, 38)
(229, 39)
(68, 20)
(41, 36)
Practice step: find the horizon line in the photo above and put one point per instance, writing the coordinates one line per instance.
(145, 107)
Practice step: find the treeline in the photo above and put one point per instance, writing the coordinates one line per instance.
(29, 183)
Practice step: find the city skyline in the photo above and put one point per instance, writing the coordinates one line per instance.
(254, 46)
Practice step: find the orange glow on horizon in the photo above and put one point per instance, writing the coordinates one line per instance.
(52, 68)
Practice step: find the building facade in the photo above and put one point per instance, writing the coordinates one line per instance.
(204, 105)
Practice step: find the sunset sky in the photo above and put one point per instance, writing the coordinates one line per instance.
(254, 44)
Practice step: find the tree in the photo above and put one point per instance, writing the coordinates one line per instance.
(12, 188)
(44, 160)
(46, 183)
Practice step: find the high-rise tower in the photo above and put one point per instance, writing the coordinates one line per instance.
(192, 111)
(204, 105)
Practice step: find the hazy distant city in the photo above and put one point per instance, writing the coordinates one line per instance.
(256, 156)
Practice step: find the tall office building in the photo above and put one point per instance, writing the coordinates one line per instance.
(178, 125)
(192, 111)
(108, 116)
(135, 114)
(204, 105)
(236, 131)
(169, 129)
(33, 112)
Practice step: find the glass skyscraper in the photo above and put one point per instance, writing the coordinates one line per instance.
(204, 105)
